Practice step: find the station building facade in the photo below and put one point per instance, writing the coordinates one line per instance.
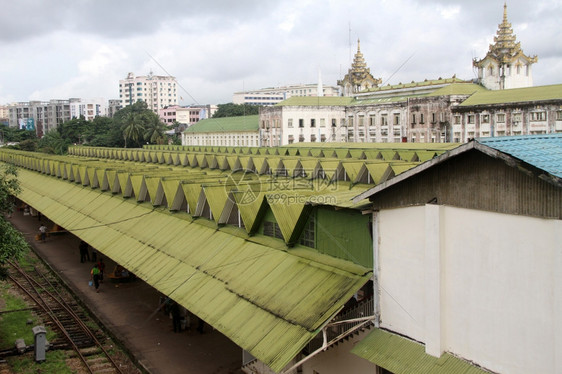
(502, 101)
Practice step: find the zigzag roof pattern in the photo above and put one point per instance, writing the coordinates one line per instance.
(218, 182)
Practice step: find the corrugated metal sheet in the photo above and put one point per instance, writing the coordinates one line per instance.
(403, 356)
(269, 302)
(541, 151)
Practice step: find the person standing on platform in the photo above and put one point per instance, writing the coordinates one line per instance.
(176, 321)
(95, 276)
(101, 266)
(43, 232)
(84, 253)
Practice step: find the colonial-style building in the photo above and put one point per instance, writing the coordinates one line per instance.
(229, 131)
(304, 119)
(274, 95)
(502, 102)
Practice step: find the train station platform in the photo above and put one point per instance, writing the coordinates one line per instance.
(130, 310)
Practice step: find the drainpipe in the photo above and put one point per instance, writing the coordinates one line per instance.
(376, 268)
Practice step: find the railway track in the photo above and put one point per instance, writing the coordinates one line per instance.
(59, 311)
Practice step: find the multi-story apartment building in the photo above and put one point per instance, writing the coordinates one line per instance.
(156, 90)
(42, 116)
(4, 113)
(187, 115)
(274, 95)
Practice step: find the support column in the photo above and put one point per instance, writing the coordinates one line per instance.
(434, 342)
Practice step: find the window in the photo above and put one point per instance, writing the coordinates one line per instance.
(313, 122)
(500, 117)
(350, 122)
(457, 120)
(372, 120)
(384, 119)
(361, 121)
(538, 116)
(485, 118)
(322, 122)
(516, 117)
(559, 115)
(301, 122)
(433, 118)
(470, 118)
(272, 229)
(396, 119)
(413, 119)
(421, 119)
(308, 235)
(334, 122)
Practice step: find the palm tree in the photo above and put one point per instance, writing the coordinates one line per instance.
(133, 128)
(154, 128)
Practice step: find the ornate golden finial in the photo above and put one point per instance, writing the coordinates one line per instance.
(358, 45)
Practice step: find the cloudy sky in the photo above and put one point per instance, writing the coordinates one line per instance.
(57, 49)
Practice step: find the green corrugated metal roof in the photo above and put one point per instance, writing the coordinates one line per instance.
(425, 83)
(269, 302)
(316, 101)
(457, 89)
(226, 124)
(400, 355)
(515, 95)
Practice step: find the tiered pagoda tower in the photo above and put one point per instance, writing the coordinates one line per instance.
(505, 65)
(359, 76)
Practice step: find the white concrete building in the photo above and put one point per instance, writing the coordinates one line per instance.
(304, 119)
(43, 116)
(156, 90)
(478, 275)
(228, 131)
(274, 95)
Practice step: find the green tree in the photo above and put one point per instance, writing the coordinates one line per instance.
(133, 128)
(104, 132)
(235, 110)
(54, 142)
(12, 243)
(72, 131)
(154, 129)
(15, 135)
(29, 145)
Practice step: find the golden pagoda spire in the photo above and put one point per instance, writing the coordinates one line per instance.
(503, 55)
(505, 46)
(359, 75)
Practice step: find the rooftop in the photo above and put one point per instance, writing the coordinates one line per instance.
(316, 101)
(515, 95)
(225, 124)
(541, 151)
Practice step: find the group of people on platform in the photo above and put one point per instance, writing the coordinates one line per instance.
(180, 316)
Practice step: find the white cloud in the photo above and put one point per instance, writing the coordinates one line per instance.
(214, 49)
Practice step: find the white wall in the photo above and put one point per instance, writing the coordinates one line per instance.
(482, 285)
